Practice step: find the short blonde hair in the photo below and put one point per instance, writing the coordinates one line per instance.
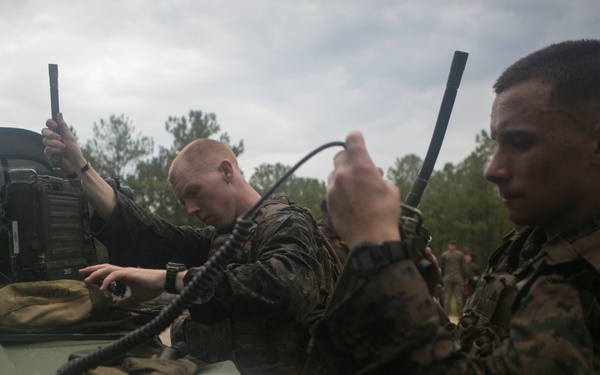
(202, 154)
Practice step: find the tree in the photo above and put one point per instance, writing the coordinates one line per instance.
(462, 205)
(404, 172)
(265, 176)
(152, 190)
(150, 185)
(306, 192)
(197, 125)
(115, 146)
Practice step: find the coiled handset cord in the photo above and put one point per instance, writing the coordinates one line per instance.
(190, 293)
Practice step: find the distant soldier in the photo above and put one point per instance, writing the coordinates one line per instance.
(454, 271)
(326, 226)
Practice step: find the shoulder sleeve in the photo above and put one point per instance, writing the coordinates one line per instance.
(548, 333)
(283, 279)
(136, 237)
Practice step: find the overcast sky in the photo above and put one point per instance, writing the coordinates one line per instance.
(284, 76)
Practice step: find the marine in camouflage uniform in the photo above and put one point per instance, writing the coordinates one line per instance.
(536, 307)
(258, 311)
(454, 270)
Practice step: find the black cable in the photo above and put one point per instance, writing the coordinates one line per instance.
(287, 174)
(191, 292)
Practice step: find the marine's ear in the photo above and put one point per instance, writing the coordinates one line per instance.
(226, 168)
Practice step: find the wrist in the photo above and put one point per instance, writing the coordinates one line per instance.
(375, 236)
(81, 170)
(368, 256)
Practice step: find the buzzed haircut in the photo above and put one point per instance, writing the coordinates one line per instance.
(572, 66)
(203, 153)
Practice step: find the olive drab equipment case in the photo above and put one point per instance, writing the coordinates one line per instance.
(43, 218)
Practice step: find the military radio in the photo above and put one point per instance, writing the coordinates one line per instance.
(43, 217)
(48, 219)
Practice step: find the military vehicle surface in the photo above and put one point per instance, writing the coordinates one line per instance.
(44, 237)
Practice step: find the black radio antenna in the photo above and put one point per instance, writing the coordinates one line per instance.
(54, 109)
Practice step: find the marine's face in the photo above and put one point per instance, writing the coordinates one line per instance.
(541, 160)
(205, 194)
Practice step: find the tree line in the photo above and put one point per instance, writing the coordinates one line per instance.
(457, 203)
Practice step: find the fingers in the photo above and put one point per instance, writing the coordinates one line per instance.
(362, 205)
(59, 126)
(53, 143)
(62, 143)
(53, 139)
(50, 124)
(58, 130)
(102, 274)
(355, 152)
(354, 156)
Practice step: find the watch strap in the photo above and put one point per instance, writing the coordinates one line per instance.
(171, 278)
(369, 256)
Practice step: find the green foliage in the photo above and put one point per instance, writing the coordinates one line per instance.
(151, 189)
(115, 145)
(306, 192)
(197, 125)
(265, 176)
(404, 172)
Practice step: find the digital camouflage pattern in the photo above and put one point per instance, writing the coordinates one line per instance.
(535, 311)
(339, 246)
(258, 310)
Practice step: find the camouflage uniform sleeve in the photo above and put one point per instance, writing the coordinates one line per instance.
(136, 237)
(388, 324)
(282, 281)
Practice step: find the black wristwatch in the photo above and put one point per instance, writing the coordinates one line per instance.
(368, 256)
(172, 270)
